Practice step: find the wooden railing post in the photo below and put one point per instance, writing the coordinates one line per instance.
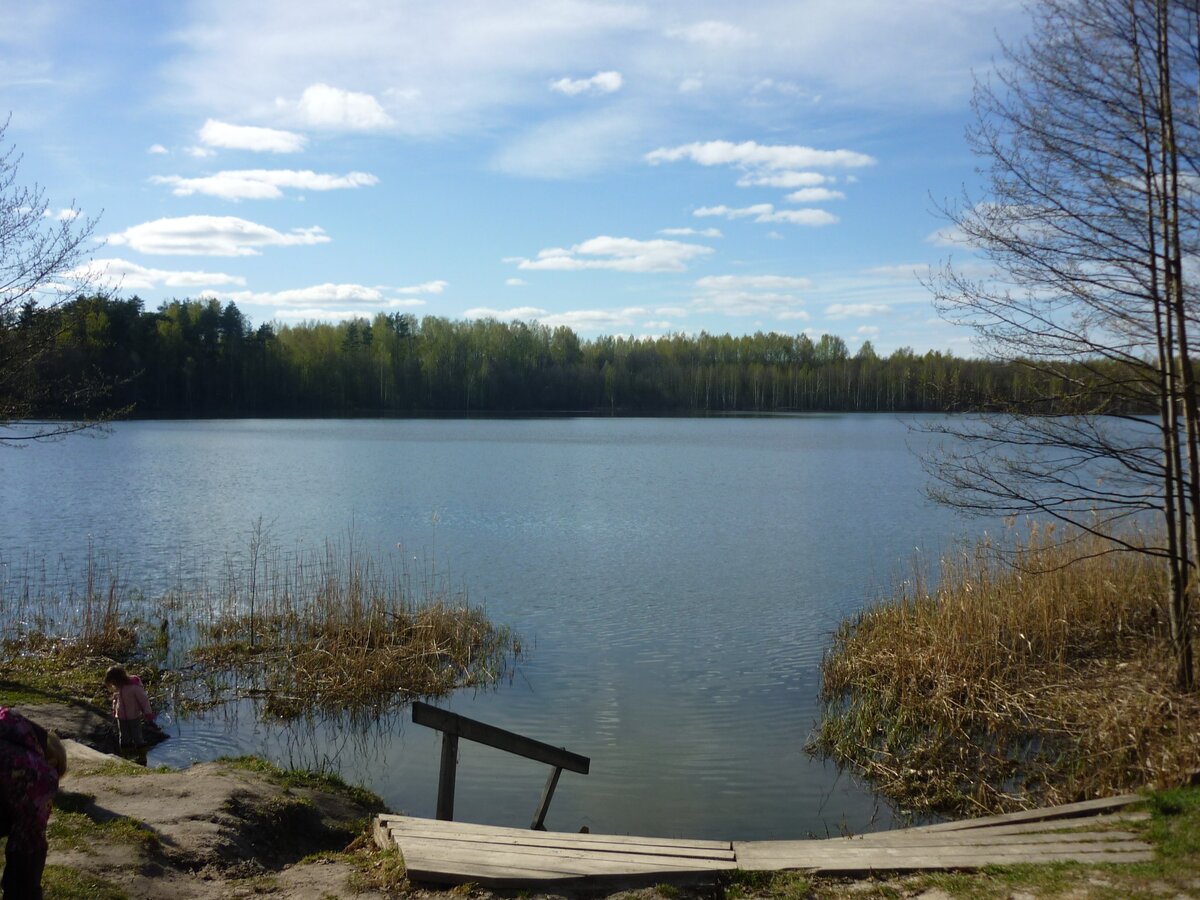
(445, 800)
(539, 816)
(453, 726)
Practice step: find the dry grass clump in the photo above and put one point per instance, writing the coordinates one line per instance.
(338, 632)
(1038, 674)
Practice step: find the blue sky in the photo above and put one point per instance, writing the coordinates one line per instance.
(619, 167)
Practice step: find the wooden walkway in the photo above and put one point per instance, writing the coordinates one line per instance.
(457, 852)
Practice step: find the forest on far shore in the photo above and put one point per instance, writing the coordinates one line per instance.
(202, 358)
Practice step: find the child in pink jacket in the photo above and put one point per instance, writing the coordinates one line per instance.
(130, 705)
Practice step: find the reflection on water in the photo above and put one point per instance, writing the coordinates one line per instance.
(675, 582)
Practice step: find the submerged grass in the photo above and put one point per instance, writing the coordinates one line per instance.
(1036, 673)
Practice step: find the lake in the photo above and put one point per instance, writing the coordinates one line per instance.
(675, 582)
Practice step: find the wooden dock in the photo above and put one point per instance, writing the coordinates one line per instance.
(444, 852)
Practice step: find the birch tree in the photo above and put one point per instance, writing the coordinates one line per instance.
(1086, 236)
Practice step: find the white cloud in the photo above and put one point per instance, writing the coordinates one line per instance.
(950, 236)
(428, 287)
(261, 184)
(600, 83)
(515, 282)
(784, 180)
(120, 274)
(691, 84)
(661, 325)
(323, 106)
(320, 314)
(868, 329)
(199, 152)
(765, 156)
(814, 195)
(471, 69)
(592, 320)
(211, 236)
(523, 313)
(677, 312)
(619, 254)
(766, 212)
(901, 272)
(157, 149)
(692, 232)
(752, 295)
(325, 296)
(753, 282)
(855, 310)
(249, 137)
(712, 33)
(571, 146)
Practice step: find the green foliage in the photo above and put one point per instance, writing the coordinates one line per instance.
(78, 831)
(63, 883)
(298, 778)
(197, 357)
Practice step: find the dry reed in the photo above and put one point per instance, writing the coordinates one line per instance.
(1040, 673)
(338, 632)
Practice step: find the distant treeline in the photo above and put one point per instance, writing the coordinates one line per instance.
(198, 357)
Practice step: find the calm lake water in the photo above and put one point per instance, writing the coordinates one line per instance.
(676, 582)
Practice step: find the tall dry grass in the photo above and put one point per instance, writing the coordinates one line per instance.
(338, 631)
(304, 633)
(1038, 672)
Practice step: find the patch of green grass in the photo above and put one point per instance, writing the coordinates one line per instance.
(77, 831)
(297, 778)
(669, 891)
(63, 883)
(378, 870)
(780, 885)
(117, 768)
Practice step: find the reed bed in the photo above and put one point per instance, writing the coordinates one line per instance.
(1037, 672)
(304, 634)
(339, 632)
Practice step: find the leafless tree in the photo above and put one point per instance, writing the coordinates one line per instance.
(1089, 141)
(41, 253)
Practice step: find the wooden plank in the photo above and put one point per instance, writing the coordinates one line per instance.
(1020, 827)
(601, 861)
(480, 732)
(819, 856)
(490, 875)
(446, 774)
(1065, 811)
(433, 826)
(402, 833)
(976, 838)
(921, 862)
(433, 861)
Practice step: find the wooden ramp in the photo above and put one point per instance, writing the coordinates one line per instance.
(457, 852)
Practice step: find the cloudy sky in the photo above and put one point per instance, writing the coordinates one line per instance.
(618, 167)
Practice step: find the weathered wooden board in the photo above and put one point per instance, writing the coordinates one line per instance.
(1120, 818)
(456, 852)
(1066, 811)
(471, 831)
(543, 840)
(986, 839)
(914, 860)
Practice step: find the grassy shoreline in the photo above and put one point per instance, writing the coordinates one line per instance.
(1036, 673)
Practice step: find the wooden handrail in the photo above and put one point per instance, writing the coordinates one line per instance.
(453, 726)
